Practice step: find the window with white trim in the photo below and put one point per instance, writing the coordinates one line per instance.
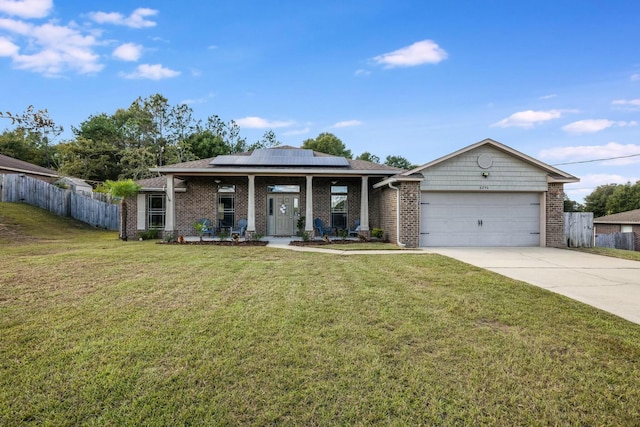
(156, 208)
(339, 206)
(226, 205)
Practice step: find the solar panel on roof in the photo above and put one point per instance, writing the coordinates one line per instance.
(280, 157)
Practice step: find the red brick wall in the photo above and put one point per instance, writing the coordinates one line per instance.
(555, 215)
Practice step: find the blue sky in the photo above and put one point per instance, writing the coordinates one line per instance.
(557, 80)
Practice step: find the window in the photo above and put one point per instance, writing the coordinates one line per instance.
(339, 206)
(626, 229)
(283, 188)
(226, 205)
(156, 211)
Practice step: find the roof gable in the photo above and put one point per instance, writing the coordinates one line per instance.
(556, 174)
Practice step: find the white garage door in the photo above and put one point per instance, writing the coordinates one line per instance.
(480, 219)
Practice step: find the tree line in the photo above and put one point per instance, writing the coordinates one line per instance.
(608, 199)
(149, 133)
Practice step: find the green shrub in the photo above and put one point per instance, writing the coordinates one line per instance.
(378, 233)
(148, 234)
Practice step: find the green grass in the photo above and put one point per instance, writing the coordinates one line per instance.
(100, 332)
(616, 253)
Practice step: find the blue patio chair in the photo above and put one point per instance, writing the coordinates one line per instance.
(356, 228)
(207, 227)
(320, 228)
(240, 229)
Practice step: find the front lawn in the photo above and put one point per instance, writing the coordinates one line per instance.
(100, 332)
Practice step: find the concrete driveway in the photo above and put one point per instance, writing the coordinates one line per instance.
(610, 284)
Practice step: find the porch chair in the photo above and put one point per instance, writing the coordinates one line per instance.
(356, 228)
(320, 228)
(240, 229)
(207, 227)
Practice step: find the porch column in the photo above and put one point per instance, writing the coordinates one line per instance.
(364, 204)
(308, 221)
(251, 204)
(170, 213)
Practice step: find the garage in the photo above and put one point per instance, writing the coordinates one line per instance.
(479, 219)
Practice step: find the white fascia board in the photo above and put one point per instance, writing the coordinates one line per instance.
(52, 175)
(281, 172)
(394, 179)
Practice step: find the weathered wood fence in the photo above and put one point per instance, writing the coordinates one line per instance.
(616, 241)
(22, 188)
(578, 229)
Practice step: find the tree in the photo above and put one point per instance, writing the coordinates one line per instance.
(596, 202)
(329, 144)
(571, 205)
(367, 156)
(122, 190)
(398, 162)
(624, 198)
(37, 123)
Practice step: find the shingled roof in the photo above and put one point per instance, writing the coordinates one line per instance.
(11, 165)
(628, 217)
(208, 165)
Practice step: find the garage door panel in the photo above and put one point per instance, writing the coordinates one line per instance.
(480, 219)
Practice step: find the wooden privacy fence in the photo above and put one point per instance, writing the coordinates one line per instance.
(22, 188)
(616, 241)
(578, 229)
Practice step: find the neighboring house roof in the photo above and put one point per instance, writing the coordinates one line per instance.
(555, 175)
(279, 160)
(628, 217)
(18, 166)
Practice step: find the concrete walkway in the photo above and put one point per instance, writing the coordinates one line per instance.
(610, 284)
(283, 243)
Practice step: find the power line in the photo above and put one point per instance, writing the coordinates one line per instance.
(597, 160)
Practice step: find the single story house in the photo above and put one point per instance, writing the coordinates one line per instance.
(486, 194)
(9, 165)
(623, 222)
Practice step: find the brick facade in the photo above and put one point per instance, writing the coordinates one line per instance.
(386, 212)
(555, 216)
(201, 201)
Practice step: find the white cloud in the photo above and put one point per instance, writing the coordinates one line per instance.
(151, 72)
(550, 96)
(635, 77)
(137, 19)
(362, 72)
(588, 126)
(422, 52)
(128, 52)
(260, 123)
(52, 49)
(26, 8)
(7, 47)
(627, 102)
(297, 132)
(593, 152)
(530, 118)
(347, 123)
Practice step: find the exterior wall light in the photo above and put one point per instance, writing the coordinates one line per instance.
(485, 174)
